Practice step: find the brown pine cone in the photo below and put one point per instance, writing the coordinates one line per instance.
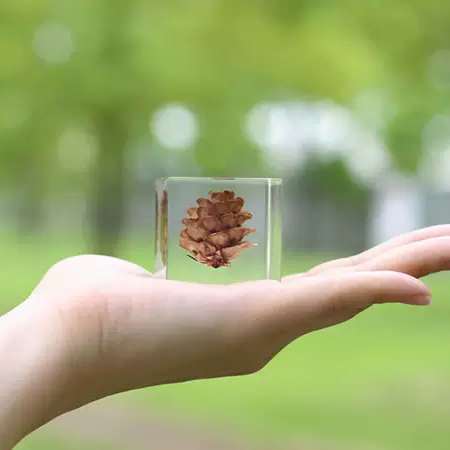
(214, 230)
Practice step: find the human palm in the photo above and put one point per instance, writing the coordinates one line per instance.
(123, 318)
(114, 327)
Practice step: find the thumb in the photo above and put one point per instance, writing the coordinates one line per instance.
(316, 302)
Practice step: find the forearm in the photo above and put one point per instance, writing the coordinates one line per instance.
(30, 373)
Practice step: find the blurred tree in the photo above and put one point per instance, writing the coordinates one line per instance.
(217, 58)
(108, 117)
(28, 114)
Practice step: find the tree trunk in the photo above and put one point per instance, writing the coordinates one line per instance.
(108, 202)
(32, 186)
(30, 201)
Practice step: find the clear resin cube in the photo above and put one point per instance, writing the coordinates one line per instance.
(218, 230)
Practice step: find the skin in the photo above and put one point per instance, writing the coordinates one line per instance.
(96, 326)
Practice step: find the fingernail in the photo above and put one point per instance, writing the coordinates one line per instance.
(422, 300)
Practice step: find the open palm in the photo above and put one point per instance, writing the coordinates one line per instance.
(114, 327)
(157, 331)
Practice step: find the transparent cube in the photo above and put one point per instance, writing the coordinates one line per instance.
(218, 230)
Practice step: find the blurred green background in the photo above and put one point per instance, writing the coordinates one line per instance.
(348, 102)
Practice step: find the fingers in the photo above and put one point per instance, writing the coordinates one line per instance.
(418, 259)
(439, 231)
(316, 302)
(322, 268)
(400, 241)
(356, 288)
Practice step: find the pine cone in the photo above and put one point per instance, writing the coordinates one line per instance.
(214, 230)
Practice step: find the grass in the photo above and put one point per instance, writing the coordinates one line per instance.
(52, 443)
(383, 379)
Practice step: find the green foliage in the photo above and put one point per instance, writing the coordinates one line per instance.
(405, 140)
(333, 179)
(219, 58)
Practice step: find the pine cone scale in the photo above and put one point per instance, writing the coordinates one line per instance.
(221, 208)
(196, 233)
(236, 205)
(210, 223)
(219, 240)
(192, 213)
(188, 222)
(237, 234)
(233, 252)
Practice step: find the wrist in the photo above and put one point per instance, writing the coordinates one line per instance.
(32, 372)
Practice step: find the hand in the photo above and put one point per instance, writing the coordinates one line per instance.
(105, 326)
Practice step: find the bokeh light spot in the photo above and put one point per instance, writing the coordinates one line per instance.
(439, 69)
(290, 132)
(53, 43)
(175, 127)
(277, 129)
(369, 160)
